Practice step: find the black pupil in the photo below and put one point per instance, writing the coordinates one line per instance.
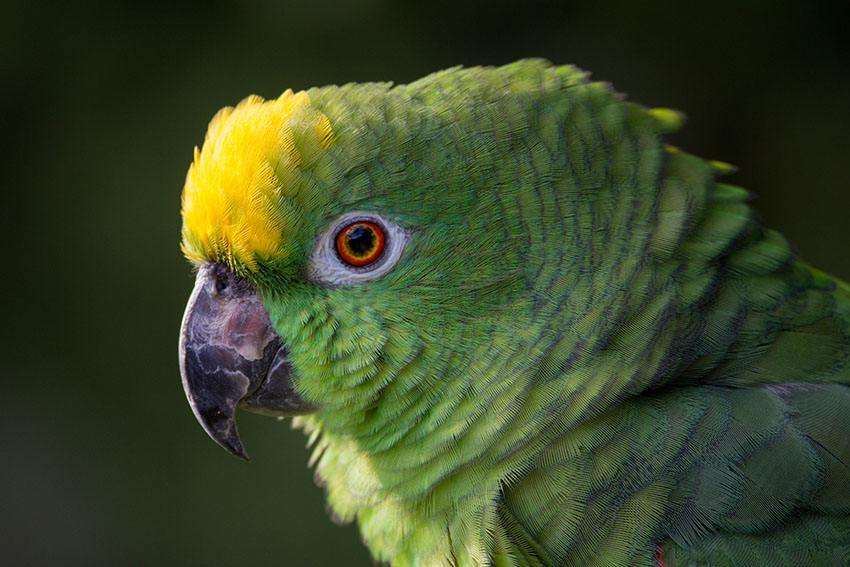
(361, 240)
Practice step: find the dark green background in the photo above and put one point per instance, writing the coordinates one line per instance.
(101, 460)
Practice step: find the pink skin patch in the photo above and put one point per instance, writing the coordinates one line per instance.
(245, 326)
(659, 553)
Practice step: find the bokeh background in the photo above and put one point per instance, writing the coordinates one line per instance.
(101, 460)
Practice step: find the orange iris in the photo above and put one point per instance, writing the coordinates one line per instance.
(360, 243)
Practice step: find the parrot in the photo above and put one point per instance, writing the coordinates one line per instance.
(518, 327)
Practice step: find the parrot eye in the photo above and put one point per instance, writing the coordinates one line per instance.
(360, 243)
(355, 248)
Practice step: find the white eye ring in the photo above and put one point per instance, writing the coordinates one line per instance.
(327, 268)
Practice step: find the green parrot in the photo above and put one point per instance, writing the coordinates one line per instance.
(518, 328)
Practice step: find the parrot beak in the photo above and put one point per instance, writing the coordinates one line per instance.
(231, 356)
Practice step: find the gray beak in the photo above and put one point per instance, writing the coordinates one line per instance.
(231, 356)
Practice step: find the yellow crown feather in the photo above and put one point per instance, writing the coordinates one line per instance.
(237, 183)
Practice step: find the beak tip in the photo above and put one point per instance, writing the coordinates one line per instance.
(236, 449)
(222, 430)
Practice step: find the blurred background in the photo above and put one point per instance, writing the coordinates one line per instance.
(101, 460)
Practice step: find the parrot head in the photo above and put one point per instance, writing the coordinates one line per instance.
(349, 263)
